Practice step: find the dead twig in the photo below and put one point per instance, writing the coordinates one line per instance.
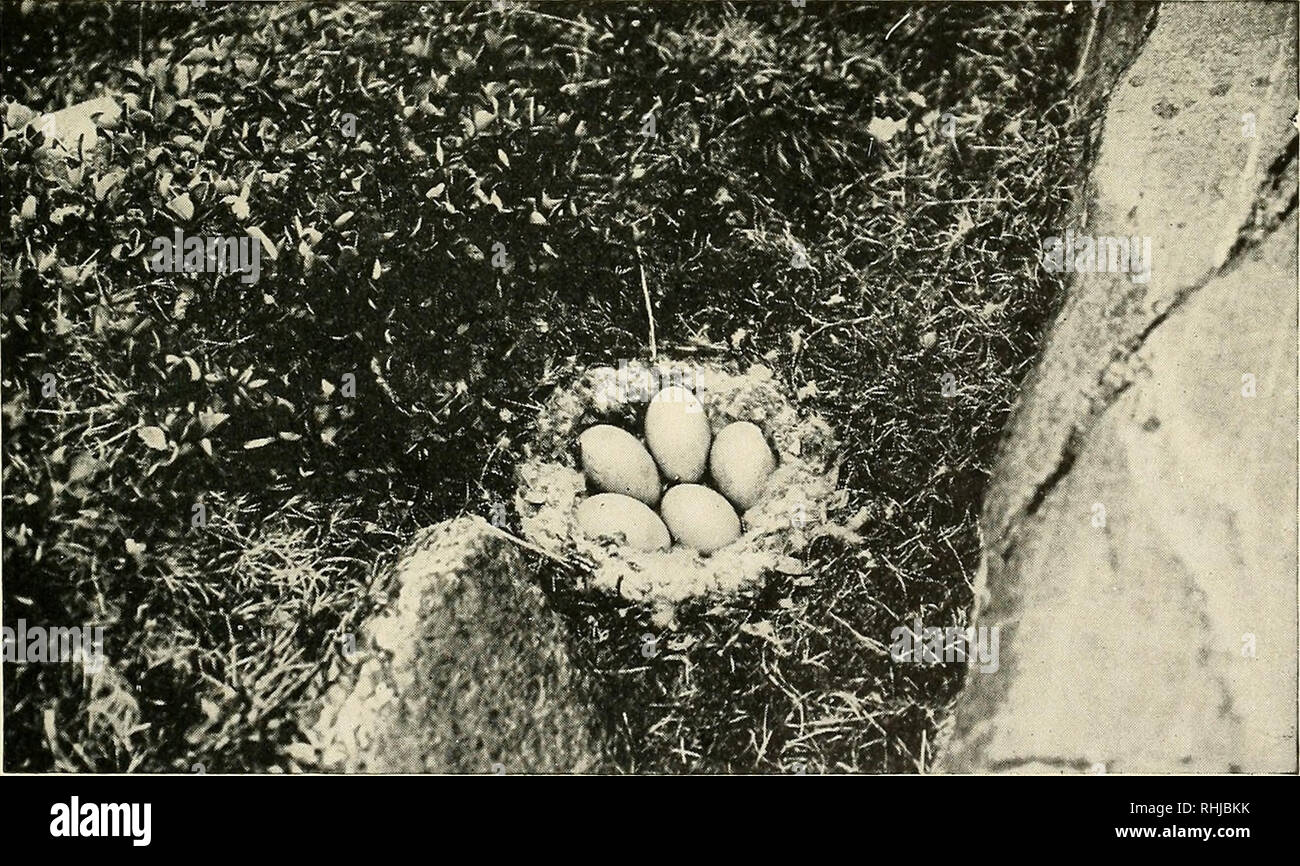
(649, 311)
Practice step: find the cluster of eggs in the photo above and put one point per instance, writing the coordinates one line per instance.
(679, 447)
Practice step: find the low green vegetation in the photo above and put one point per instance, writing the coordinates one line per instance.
(458, 204)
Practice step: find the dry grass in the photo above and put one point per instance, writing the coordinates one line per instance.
(772, 226)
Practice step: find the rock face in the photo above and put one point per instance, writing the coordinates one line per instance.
(466, 671)
(1140, 528)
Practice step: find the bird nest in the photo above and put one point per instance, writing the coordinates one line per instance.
(801, 500)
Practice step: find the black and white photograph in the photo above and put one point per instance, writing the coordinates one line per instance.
(782, 388)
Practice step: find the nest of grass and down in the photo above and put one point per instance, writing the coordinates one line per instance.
(771, 225)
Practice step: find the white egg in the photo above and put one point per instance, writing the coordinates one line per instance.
(741, 462)
(613, 515)
(677, 431)
(699, 517)
(616, 462)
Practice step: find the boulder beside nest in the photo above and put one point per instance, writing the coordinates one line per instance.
(465, 671)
